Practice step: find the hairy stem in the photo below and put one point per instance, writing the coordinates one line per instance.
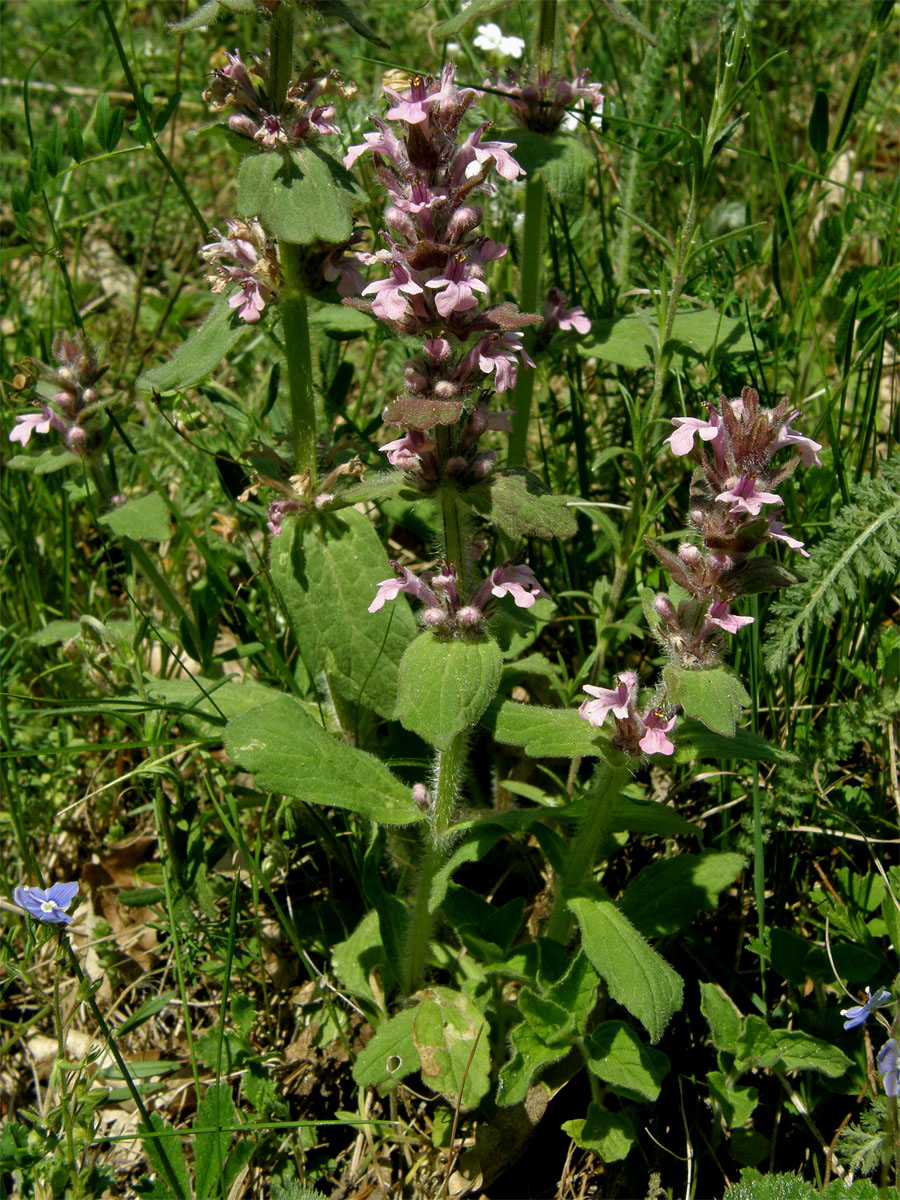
(299, 361)
(586, 844)
(449, 769)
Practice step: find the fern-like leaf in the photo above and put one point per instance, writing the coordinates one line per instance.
(864, 541)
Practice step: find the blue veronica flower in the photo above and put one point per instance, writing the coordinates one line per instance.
(889, 1066)
(860, 1013)
(47, 904)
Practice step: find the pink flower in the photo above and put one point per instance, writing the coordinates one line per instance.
(747, 498)
(278, 510)
(454, 289)
(404, 581)
(776, 530)
(720, 615)
(385, 143)
(682, 440)
(474, 149)
(29, 423)
(391, 294)
(790, 437)
(557, 316)
(618, 701)
(498, 353)
(406, 451)
(249, 301)
(508, 580)
(654, 740)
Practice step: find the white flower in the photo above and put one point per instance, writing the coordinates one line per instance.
(490, 39)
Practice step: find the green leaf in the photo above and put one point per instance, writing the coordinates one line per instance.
(648, 816)
(631, 341)
(549, 1021)
(576, 991)
(618, 1056)
(445, 1028)
(304, 196)
(736, 1101)
(357, 956)
(667, 893)
(198, 357)
(609, 1134)
(289, 752)
(390, 1055)
(75, 138)
(146, 517)
(215, 1113)
(561, 159)
(787, 1050)
(637, 977)
(45, 463)
(543, 732)
(445, 685)
(519, 504)
(327, 573)
(475, 9)
(723, 1018)
(694, 740)
(147, 1010)
(337, 10)
(166, 1156)
(54, 632)
(713, 696)
(479, 841)
(487, 932)
(530, 1055)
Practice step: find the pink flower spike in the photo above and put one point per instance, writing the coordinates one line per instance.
(720, 614)
(745, 496)
(29, 423)
(618, 701)
(654, 740)
(682, 440)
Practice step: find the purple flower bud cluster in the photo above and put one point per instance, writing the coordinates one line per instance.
(435, 289)
(446, 613)
(253, 266)
(735, 478)
(540, 102)
(636, 732)
(75, 404)
(301, 119)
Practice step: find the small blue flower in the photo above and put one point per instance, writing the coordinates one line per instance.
(47, 904)
(889, 1066)
(860, 1013)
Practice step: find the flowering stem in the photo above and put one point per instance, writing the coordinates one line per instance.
(523, 392)
(299, 360)
(281, 54)
(62, 1061)
(453, 519)
(585, 845)
(449, 767)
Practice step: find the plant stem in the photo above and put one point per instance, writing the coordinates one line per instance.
(299, 360)
(585, 845)
(457, 543)
(281, 54)
(532, 237)
(62, 1062)
(449, 767)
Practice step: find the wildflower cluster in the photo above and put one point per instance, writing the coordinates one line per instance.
(444, 613)
(245, 257)
(437, 260)
(246, 90)
(728, 492)
(73, 407)
(416, 451)
(541, 101)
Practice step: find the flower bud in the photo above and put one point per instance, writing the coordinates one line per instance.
(689, 555)
(666, 609)
(483, 464)
(445, 389)
(456, 465)
(463, 221)
(89, 396)
(420, 796)
(76, 440)
(470, 618)
(414, 379)
(402, 223)
(436, 619)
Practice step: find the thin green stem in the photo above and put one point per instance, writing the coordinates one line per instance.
(532, 237)
(62, 1061)
(281, 54)
(86, 993)
(586, 844)
(298, 353)
(449, 769)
